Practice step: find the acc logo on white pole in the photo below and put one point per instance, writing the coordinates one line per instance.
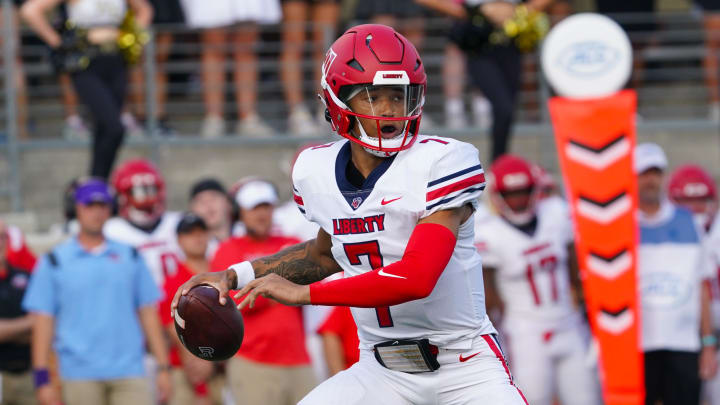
(587, 55)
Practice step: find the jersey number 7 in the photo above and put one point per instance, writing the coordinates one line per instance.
(371, 249)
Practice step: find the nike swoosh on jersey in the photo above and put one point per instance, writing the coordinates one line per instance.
(383, 202)
(464, 359)
(382, 273)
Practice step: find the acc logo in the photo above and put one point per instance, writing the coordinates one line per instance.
(206, 352)
(663, 290)
(588, 58)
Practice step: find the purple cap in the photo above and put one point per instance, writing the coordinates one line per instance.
(93, 191)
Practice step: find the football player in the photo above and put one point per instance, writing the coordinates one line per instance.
(527, 251)
(692, 187)
(395, 210)
(143, 222)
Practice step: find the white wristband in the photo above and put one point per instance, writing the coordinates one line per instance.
(244, 272)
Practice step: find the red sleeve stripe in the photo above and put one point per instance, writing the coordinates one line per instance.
(451, 188)
(298, 199)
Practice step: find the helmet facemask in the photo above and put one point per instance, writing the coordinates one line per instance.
(384, 119)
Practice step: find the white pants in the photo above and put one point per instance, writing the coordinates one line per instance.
(553, 363)
(482, 379)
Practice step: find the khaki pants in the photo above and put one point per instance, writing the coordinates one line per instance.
(127, 391)
(259, 384)
(183, 393)
(17, 389)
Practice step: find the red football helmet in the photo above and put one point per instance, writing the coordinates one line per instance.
(512, 174)
(691, 186)
(364, 61)
(141, 192)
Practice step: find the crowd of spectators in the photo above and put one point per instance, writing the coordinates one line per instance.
(231, 39)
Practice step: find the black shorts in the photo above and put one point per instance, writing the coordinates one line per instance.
(708, 5)
(672, 377)
(367, 9)
(167, 12)
(310, 1)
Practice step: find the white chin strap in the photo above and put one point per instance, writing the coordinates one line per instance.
(395, 142)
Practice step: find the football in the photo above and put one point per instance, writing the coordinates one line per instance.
(207, 329)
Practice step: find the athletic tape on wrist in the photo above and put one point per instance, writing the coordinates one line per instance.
(244, 272)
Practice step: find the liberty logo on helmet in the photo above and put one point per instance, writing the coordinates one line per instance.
(329, 59)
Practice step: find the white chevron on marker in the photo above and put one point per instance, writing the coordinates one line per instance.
(615, 324)
(604, 212)
(598, 159)
(609, 268)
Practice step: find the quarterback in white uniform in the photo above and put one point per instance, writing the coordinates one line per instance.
(526, 249)
(395, 211)
(143, 222)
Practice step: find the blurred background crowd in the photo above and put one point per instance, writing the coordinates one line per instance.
(212, 113)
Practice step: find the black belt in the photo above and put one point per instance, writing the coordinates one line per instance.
(408, 356)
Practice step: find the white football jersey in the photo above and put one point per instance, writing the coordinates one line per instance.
(532, 273)
(370, 228)
(158, 248)
(712, 243)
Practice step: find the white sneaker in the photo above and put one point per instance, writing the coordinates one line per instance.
(482, 112)
(132, 128)
(254, 127)
(301, 123)
(212, 127)
(75, 128)
(714, 113)
(455, 118)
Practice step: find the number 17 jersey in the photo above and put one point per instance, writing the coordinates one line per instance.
(370, 227)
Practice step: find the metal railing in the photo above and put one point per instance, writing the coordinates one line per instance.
(671, 88)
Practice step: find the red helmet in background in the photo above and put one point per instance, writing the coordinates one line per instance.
(510, 175)
(691, 186)
(141, 192)
(364, 58)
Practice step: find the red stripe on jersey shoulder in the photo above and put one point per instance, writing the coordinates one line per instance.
(298, 199)
(450, 188)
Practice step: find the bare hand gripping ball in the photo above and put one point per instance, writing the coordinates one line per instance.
(207, 329)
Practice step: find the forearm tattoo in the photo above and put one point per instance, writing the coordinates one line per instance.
(295, 264)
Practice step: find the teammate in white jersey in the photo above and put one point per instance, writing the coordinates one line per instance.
(395, 211)
(692, 187)
(143, 222)
(526, 250)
